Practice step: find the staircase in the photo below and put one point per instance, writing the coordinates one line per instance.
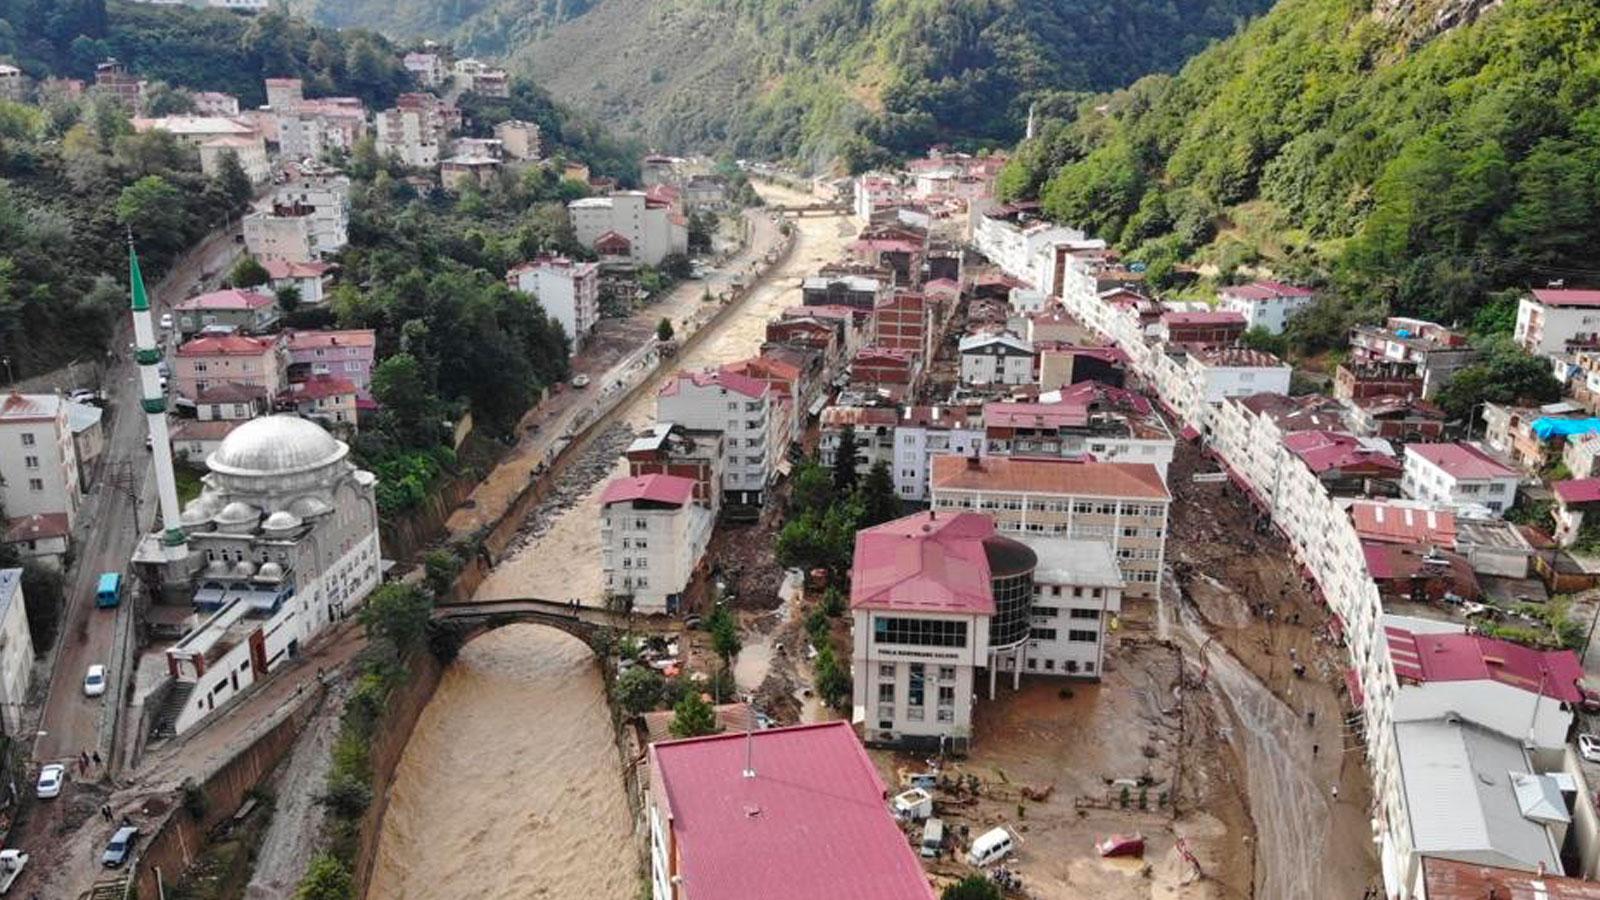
(171, 705)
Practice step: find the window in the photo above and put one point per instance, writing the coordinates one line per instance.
(36, 484)
(1042, 634)
(1084, 613)
(947, 673)
(27, 439)
(919, 632)
(1048, 612)
(914, 697)
(886, 670)
(30, 462)
(1049, 665)
(886, 692)
(1083, 637)
(947, 696)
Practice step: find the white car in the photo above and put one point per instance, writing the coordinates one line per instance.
(51, 778)
(94, 682)
(580, 381)
(166, 321)
(1589, 747)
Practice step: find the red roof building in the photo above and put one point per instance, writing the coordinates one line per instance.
(1457, 656)
(667, 490)
(1218, 329)
(1333, 455)
(1566, 297)
(924, 563)
(1393, 523)
(781, 814)
(1462, 461)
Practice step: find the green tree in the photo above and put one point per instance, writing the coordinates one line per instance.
(288, 298)
(152, 209)
(411, 411)
(440, 567)
(1503, 374)
(973, 887)
(877, 497)
(398, 613)
(844, 461)
(162, 99)
(664, 329)
(248, 273)
(693, 717)
(326, 879)
(833, 680)
(724, 629)
(640, 689)
(811, 487)
(233, 179)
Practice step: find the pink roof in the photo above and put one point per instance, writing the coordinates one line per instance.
(1566, 297)
(1266, 290)
(1390, 523)
(320, 387)
(351, 337)
(30, 407)
(232, 299)
(1471, 657)
(885, 245)
(733, 381)
(1578, 490)
(226, 345)
(277, 268)
(36, 527)
(1323, 451)
(812, 822)
(673, 489)
(1462, 461)
(1035, 415)
(1203, 318)
(1236, 358)
(1062, 477)
(924, 562)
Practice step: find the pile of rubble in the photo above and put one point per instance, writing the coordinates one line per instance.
(575, 481)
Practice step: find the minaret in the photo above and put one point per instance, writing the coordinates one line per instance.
(1032, 108)
(147, 351)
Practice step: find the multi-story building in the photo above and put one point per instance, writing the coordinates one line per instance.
(871, 427)
(924, 432)
(1215, 328)
(749, 417)
(652, 537)
(38, 460)
(13, 83)
(308, 279)
(409, 135)
(904, 320)
(705, 792)
(1265, 304)
(1431, 352)
(934, 597)
(652, 230)
(250, 152)
(205, 361)
(477, 77)
(285, 94)
(856, 291)
(1458, 475)
(327, 399)
(668, 449)
(347, 354)
(285, 234)
(16, 651)
(243, 310)
(890, 372)
(326, 191)
(112, 79)
(796, 387)
(1123, 503)
(313, 127)
(521, 140)
(1085, 421)
(427, 68)
(1027, 247)
(569, 292)
(1077, 593)
(996, 359)
(1202, 377)
(1553, 320)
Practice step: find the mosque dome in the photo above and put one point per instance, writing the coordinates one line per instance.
(238, 513)
(276, 445)
(282, 520)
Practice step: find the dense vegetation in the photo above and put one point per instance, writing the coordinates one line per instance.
(816, 79)
(1326, 143)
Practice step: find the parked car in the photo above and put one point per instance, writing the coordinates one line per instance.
(166, 321)
(94, 682)
(1589, 747)
(580, 381)
(120, 847)
(51, 778)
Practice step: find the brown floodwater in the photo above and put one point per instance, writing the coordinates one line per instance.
(511, 786)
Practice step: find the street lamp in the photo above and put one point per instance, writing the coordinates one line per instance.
(6, 361)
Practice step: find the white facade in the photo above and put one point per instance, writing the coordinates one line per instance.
(568, 291)
(917, 444)
(16, 650)
(280, 238)
(1268, 311)
(653, 232)
(1025, 250)
(1427, 480)
(916, 691)
(251, 153)
(1548, 320)
(996, 359)
(328, 195)
(746, 413)
(1077, 593)
(427, 68)
(409, 135)
(649, 551)
(38, 460)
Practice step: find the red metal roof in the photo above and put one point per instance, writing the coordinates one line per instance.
(733, 381)
(30, 407)
(1396, 524)
(1462, 461)
(226, 345)
(37, 527)
(925, 562)
(1058, 477)
(1266, 290)
(657, 488)
(311, 340)
(1324, 451)
(319, 387)
(1578, 490)
(1469, 657)
(1566, 297)
(1035, 415)
(1203, 318)
(230, 299)
(1448, 879)
(812, 822)
(278, 268)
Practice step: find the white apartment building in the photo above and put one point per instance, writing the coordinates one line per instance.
(1550, 320)
(281, 238)
(1027, 247)
(873, 428)
(251, 152)
(1077, 593)
(16, 650)
(1084, 421)
(924, 432)
(996, 359)
(652, 536)
(520, 140)
(1458, 475)
(747, 413)
(1265, 304)
(568, 291)
(427, 68)
(409, 135)
(1124, 504)
(38, 461)
(653, 231)
(327, 192)
(1204, 377)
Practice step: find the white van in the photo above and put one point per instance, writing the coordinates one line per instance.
(932, 838)
(991, 846)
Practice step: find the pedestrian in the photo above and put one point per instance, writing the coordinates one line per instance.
(105, 812)
(1336, 793)
(96, 757)
(1314, 749)
(1311, 717)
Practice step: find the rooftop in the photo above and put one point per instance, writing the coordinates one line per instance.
(976, 341)
(313, 340)
(1461, 460)
(1458, 656)
(926, 563)
(1566, 297)
(1235, 358)
(279, 269)
(17, 407)
(1057, 477)
(227, 345)
(753, 388)
(1577, 490)
(672, 490)
(1324, 451)
(1398, 523)
(38, 526)
(1449, 879)
(231, 299)
(1061, 561)
(1219, 317)
(732, 718)
(1259, 291)
(812, 822)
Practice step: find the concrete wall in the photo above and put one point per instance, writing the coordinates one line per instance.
(394, 732)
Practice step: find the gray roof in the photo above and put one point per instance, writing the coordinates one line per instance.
(1461, 798)
(82, 416)
(1063, 561)
(276, 445)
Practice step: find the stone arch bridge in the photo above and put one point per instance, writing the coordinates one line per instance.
(598, 628)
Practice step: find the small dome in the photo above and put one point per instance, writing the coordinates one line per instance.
(282, 520)
(1008, 557)
(269, 571)
(217, 568)
(194, 514)
(238, 513)
(244, 568)
(276, 445)
(308, 507)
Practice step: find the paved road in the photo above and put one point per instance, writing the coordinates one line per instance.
(106, 533)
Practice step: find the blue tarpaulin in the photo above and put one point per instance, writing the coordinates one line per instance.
(1548, 428)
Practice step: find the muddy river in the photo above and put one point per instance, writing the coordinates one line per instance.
(511, 786)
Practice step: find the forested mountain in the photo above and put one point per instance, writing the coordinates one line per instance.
(816, 79)
(1419, 156)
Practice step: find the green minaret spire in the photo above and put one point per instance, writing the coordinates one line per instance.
(136, 280)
